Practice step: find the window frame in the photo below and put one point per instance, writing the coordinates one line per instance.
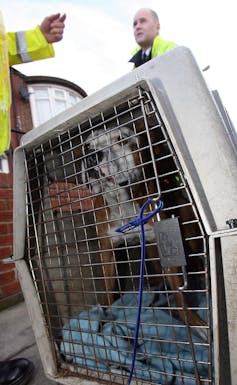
(52, 100)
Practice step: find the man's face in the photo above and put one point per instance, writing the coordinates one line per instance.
(145, 28)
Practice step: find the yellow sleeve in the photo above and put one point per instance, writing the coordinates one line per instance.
(26, 46)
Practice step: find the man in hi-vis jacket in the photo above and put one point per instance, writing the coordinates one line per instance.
(15, 48)
(23, 47)
(146, 28)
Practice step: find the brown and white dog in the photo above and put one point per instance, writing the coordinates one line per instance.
(113, 166)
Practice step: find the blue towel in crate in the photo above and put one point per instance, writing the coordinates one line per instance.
(103, 339)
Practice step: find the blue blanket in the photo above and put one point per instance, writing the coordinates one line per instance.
(103, 340)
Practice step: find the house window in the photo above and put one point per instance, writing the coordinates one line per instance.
(47, 101)
(4, 166)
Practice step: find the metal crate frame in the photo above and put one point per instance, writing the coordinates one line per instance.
(181, 148)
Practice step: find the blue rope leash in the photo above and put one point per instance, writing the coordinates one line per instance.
(140, 221)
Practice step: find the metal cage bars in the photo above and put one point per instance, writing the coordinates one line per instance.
(63, 243)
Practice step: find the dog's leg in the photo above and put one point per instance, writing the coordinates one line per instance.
(175, 281)
(186, 314)
(108, 268)
(106, 250)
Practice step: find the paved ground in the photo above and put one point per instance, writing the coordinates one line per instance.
(17, 340)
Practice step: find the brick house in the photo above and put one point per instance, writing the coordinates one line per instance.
(34, 100)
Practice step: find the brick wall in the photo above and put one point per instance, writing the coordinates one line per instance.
(10, 291)
(21, 119)
(21, 122)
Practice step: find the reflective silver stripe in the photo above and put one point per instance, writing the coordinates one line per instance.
(22, 47)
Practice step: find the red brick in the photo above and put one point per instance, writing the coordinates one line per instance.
(9, 228)
(9, 205)
(6, 266)
(70, 197)
(6, 240)
(5, 252)
(3, 205)
(6, 193)
(6, 180)
(11, 288)
(6, 228)
(6, 216)
(7, 277)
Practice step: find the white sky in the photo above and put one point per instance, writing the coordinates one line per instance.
(98, 38)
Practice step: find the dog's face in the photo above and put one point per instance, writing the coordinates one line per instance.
(110, 159)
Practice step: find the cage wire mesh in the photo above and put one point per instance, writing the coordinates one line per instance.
(80, 186)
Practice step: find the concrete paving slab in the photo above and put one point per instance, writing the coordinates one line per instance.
(17, 340)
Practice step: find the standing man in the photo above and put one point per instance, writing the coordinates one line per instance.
(15, 48)
(146, 29)
(22, 47)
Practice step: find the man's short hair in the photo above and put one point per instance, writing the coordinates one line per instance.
(154, 14)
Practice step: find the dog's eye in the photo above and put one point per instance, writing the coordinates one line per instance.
(87, 146)
(118, 139)
(122, 141)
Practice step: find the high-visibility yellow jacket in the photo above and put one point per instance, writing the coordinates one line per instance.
(15, 48)
(159, 47)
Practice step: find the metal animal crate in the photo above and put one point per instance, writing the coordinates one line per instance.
(185, 158)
